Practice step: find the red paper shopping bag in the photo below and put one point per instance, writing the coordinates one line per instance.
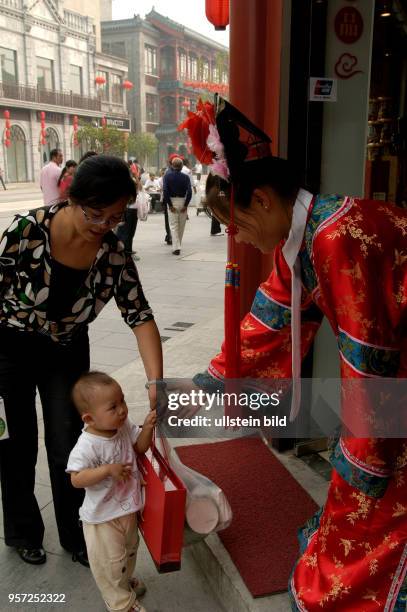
(161, 522)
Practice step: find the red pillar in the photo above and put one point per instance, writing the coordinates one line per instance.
(255, 56)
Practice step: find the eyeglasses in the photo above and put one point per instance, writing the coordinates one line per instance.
(112, 221)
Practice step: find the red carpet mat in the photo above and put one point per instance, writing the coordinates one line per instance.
(268, 507)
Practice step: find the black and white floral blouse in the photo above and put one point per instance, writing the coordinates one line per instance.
(25, 275)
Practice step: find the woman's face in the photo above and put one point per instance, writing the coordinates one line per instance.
(265, 222)
(93, 223)
(71, 170)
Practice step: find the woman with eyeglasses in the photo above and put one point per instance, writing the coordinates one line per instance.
(59, 266)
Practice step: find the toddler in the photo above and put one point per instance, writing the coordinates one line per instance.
(103, 462)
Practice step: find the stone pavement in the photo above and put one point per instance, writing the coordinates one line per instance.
(186, 294)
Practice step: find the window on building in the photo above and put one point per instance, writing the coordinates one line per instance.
(182, 64)
(168, 110)
(103, 90)
(75, 79)
(150, 59)
(45, 73)
(193, 67)
(8, 63)
(152, 108)
(167, 61)
(225, 79)
(116, 88)
(215, 74)
(204, 70)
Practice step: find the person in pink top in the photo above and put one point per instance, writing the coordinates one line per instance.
(49, 178)
(66, 178)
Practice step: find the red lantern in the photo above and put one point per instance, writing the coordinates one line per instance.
(104, 122)
(217, 12)
(127, 85)
(6, 114)
(99, 80)
(185, 103)
(42, 115)
(7, 134)
(7, 142)
(43, 141)
(8, 124)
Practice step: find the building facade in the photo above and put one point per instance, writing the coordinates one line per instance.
(170, 66)
(50, 56)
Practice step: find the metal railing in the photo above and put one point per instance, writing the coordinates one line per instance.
(24, 93)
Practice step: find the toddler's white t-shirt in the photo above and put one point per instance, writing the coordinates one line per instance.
(109, 499)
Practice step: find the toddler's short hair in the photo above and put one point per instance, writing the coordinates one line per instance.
(82, 389)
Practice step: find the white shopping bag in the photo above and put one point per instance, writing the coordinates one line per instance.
(3, 422)
(143, 205)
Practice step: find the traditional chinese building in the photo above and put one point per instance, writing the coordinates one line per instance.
(170, 66)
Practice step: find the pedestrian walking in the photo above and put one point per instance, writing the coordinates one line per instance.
(177, 195)
(49, 178)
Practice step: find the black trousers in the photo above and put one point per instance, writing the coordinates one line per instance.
(2, 182)
(126, 231)
(30, 361)
(215, 226)
(167, 224)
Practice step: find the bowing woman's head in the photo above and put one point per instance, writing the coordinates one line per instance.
(99, 194)
(264, 187)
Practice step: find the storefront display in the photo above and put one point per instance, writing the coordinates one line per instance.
(386, 157)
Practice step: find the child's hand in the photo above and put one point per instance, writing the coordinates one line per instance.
(120, 471)
(150, 420)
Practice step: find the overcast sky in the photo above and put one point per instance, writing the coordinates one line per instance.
(190, 13)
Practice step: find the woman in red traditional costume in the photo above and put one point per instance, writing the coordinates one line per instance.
(344, 258)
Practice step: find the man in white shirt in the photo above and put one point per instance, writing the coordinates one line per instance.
(152, 187)
(49, 178)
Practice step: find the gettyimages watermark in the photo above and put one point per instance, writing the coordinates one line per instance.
(209, 408)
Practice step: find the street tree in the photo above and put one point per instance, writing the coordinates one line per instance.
(142, 145)
(107, 140)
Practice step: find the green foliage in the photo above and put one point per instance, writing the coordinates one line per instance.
(107, 140)
(142, 146)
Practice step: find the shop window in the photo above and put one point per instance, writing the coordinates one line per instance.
(193, 67)
(150, 59)
(182, 64)
(8, 63)
(225, 78)
(215, 75)
(75, 79)
(17, 156)
(45, 73)
(152, 108)
(116, 89)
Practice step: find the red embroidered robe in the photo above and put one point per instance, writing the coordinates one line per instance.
(354, 271)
